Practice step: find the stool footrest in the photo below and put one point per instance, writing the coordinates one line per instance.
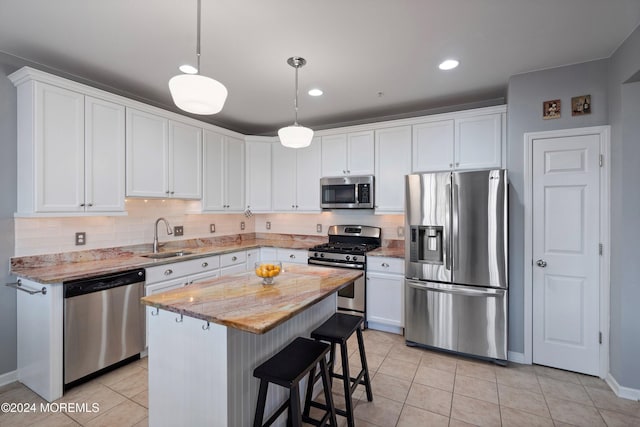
(354, 381)
(323, 406)
(272, 419)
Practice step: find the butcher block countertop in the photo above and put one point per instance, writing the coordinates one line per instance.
(242, 302)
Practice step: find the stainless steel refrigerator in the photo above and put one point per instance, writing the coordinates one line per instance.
(456, 289)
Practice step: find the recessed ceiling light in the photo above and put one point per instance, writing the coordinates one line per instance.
(315, 92)
(188, 69)
(448, 64)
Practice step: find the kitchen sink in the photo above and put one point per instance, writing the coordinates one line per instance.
(161, 255)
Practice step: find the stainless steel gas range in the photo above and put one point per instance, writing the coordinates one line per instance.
(347, 248)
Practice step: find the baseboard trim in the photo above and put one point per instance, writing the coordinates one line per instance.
(8, 378)
(620, 391)
(385, 328)
(516, 357)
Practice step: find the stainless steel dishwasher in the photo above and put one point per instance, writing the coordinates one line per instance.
(103, 323)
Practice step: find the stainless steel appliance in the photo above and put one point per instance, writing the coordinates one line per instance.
(456, 290)
(103, 323)
(348, 192)
(347, 248)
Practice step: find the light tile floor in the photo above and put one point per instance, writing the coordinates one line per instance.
(411, 387)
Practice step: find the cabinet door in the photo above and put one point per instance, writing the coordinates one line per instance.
(478, 142)
(283, 178)
(185, 161)
(258, 163)
(296, 256)
(433, 146)
(238, 268)
(234, 174)
(385, 299)
(308, 169)
(253, 256)
(360, 153)
(147, 150)
(393, 162)
(213, 159)
(268, 254)
(334, 155)
(59, 147)
(104, 156)
(201, 277)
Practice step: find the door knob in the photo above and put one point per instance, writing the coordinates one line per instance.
(541, 263)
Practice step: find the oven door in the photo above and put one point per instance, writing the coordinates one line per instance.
(351, 299)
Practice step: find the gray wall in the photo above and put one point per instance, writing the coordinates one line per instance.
(525, 95)
(624, 112)
(8, 187)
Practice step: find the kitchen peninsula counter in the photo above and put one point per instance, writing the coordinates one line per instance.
(242, 302)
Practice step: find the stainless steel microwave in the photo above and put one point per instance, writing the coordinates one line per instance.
(348, 192)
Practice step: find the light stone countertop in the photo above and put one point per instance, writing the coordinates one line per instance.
(242, 302)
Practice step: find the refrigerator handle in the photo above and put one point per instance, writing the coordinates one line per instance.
(446, 241)
(455, 217)
(455, 289)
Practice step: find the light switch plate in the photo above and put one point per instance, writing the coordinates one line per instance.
(268, 225)
(241, 225)
(400, 231)
(178, 230)
(81, 238)
(212, 228)
(319, 228)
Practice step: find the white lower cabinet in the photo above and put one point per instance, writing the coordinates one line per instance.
(268, 254)
(233, 262)
(385, 294)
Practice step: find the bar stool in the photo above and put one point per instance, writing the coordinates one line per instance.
(337, 330)
(287, 368)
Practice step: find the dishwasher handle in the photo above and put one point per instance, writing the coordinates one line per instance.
(456, 289)
(102, 283)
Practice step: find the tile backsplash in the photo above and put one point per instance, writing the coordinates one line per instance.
(35, 236)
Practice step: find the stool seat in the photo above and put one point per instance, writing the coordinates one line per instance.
(338, 328)
(286, 369)
(292, 363)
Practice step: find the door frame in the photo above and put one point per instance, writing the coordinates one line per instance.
(605, 202)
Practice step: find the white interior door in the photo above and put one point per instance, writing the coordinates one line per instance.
(566, 285)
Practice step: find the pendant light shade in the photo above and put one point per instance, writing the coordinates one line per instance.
(195, 93)
(295, 136)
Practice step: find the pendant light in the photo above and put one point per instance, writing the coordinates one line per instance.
(195, 93)
(295, 136)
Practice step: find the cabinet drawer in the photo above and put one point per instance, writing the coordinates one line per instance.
(233, 258)
(297, 256)
(204, 264)
(385, 265)
(168, 271)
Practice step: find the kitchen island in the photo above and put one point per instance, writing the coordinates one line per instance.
(206, 339)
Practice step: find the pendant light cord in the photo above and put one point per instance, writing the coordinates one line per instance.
(198, 36)
(295, 122)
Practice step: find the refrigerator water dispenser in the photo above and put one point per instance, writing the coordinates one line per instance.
(426, 244)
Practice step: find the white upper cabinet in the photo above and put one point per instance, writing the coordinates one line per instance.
(164, 157)
(70, 151)
(433, 146)
(147, 154)
(104, 156)
(223, 173)
(393, 162)
(469, 140)
(478, 142)
(296, 178)
(348, 154)
(258, 161)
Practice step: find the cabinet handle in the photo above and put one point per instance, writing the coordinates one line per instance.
(292, 256)
(166, 192)
(450, 165)
(293, 206)
(172, 193)
(168, 272)
(234, 258)
(90, 204)
(348, 171)
(385, 265)
(296, 206)
(344, 171)
(82, 205)
(205, 264)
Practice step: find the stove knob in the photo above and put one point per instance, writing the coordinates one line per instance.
(321, 255)
(348, 257)
(315, 254)
(355, 258)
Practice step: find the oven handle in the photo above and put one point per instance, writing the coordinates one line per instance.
(336, 264)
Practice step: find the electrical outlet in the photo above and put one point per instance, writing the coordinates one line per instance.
(319, 228)
(241, 225)
(400, 231)
(81, 238)
(268, 225)
(178, 230)
(212, 228)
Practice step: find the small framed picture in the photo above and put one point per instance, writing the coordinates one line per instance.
(551, 109)
(581, 105)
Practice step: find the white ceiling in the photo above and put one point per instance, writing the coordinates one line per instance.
(354, 48)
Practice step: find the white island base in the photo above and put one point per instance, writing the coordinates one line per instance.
(201, 377)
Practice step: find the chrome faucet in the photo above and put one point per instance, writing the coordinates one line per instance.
(155, 233)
